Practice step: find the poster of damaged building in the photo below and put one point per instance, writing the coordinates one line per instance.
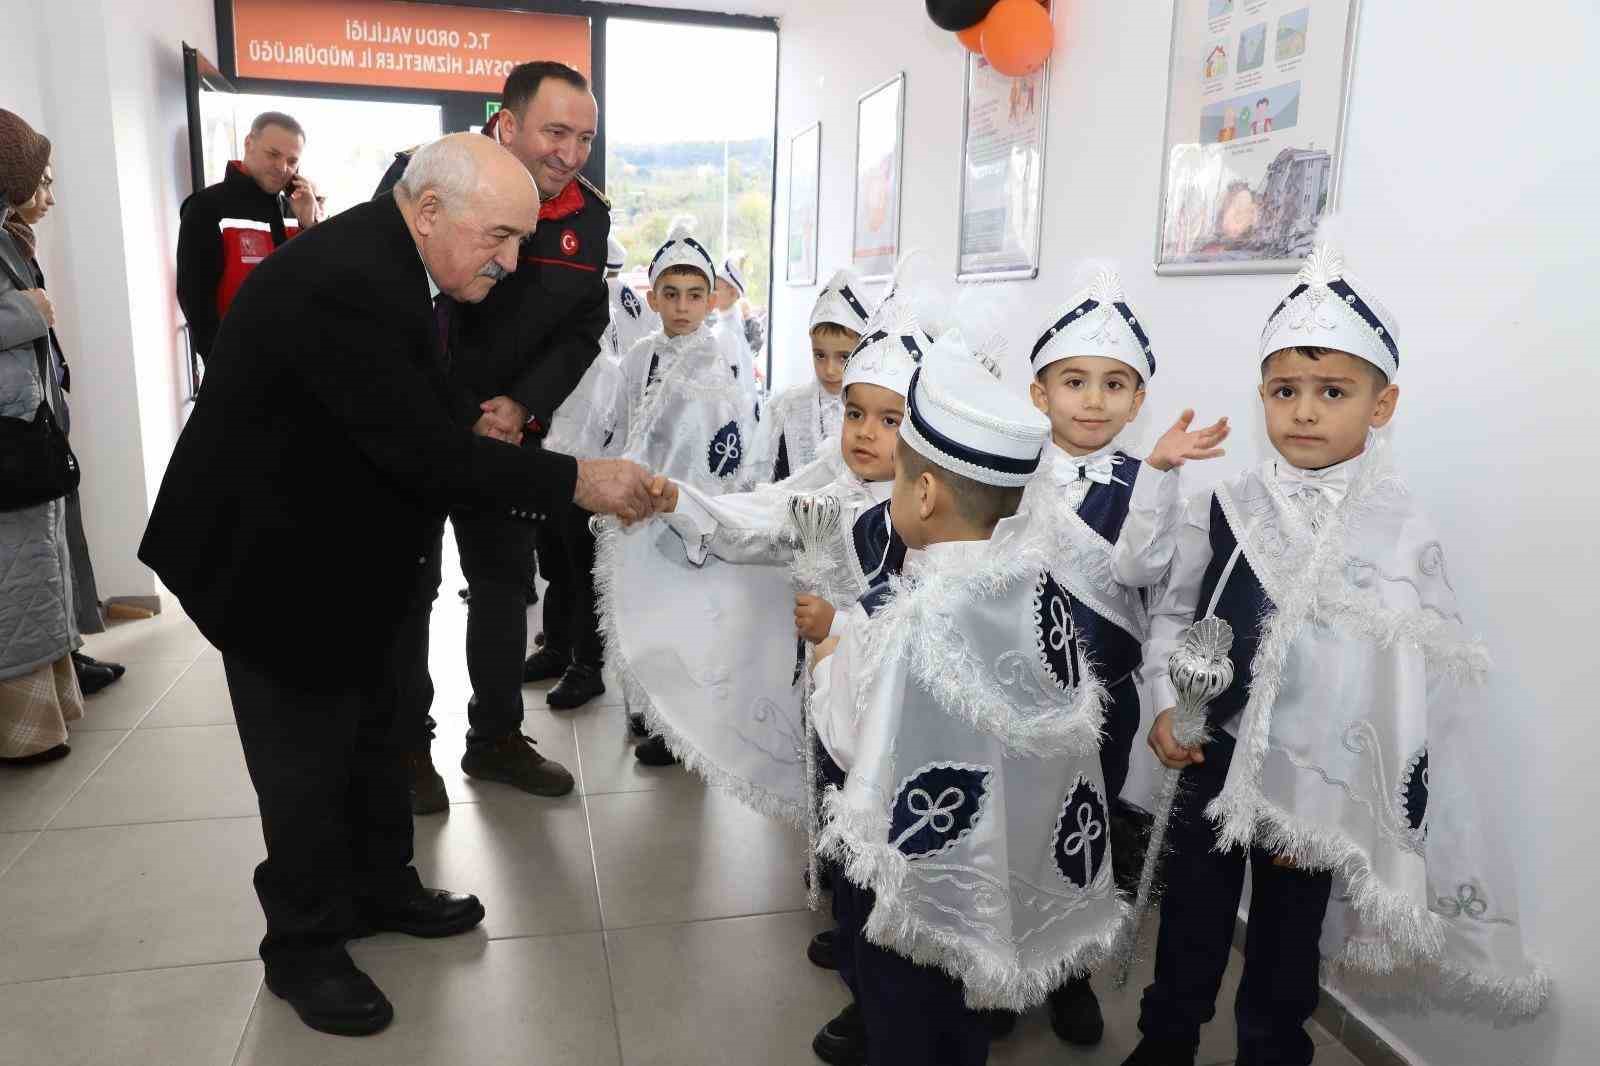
(1256, 102)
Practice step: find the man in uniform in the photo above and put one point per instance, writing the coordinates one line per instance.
(517, 355)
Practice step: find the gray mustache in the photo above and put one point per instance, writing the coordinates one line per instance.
(493, 271)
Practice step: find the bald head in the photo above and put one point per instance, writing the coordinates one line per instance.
(468, 203)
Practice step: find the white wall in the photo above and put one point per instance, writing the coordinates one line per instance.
(104, 79)
(1468, 206)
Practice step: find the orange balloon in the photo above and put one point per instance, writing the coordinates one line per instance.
(972, 38)
(1017, 37)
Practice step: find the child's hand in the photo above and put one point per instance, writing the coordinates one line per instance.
(813, 617)
(1178, 445)
(824, 650)
(663, 494)
(1173, 755)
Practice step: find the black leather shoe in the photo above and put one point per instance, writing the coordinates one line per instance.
(92, 679)
(431, 913)
(843, 1041)
(820, 950)
(578, 685)
(1000, 1023)
(544, 664)
(117, 669)
(342, 1001)
(513, 760)
(654, 752)
(1075, 1013)
(427, 787)
(1161, 1053)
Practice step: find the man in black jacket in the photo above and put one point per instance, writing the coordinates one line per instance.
(519, 354)
(294, 524)
(228, 228)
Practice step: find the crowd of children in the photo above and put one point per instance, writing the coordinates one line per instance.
(908, 609)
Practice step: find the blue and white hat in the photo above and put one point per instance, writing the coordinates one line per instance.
(730, 274)
(616, 254)
(682, 249)
(891, 346)
(1328, 308)
(840, 303)
(960, 417)
(1096, 321)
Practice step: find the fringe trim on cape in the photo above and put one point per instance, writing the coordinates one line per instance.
(991, 979)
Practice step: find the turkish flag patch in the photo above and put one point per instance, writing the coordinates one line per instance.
(569, 242)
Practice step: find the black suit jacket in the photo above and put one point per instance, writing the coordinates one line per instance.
(295, 515)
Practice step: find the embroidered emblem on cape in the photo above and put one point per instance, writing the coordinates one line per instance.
(569, 242)
(936, 807)
(1053, 632)
(1413, 794)
(725, 451)
(630, 303)
(1081, 835)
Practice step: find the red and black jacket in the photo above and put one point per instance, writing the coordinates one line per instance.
(227, 229)
(535, 335)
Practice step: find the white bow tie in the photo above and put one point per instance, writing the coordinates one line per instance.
(1312, 485)
(1101, 469)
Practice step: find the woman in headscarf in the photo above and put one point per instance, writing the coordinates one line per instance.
(93, 675)
(39, 691)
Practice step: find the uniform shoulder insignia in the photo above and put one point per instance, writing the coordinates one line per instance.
(598, 195)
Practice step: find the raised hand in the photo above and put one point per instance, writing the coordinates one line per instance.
(614, 486)
(1180, 444)
(304, 201)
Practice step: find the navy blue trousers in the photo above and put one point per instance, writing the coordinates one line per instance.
(1281, 958)
(914, 1015)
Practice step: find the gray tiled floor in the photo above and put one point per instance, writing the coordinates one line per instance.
(640, 921)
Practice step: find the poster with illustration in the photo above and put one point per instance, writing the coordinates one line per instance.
(880, 125)
(1002, 172)
(805, 165)
(1256, 98)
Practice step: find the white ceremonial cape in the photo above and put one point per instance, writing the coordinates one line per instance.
(974, 807)
(729, 329)
(803, 417)
(585, 425)
(699, 624)
(1355, 748)
(684, 413)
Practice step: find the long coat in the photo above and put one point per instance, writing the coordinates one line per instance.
(295, 518)
(37, 614)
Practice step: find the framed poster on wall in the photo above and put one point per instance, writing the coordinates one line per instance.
(880, 133)
(1256, 103)
(1002, 171)
(805, 171)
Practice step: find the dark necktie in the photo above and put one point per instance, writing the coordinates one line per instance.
(442, 306)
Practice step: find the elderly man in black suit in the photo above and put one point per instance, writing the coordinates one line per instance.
(298, 507)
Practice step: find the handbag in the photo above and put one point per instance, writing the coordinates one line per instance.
(36, 462)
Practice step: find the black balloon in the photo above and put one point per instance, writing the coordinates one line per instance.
(958, 15)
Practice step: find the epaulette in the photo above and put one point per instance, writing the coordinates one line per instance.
(598, 195)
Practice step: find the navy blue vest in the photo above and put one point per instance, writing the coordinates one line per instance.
(1243, 604)
(879, 549)
(1115, 652)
